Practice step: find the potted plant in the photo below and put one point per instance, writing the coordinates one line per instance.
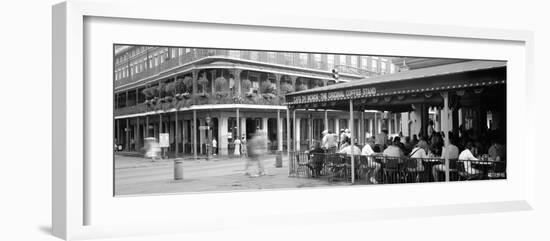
(302, 87)
(203, 81)
(286, 88)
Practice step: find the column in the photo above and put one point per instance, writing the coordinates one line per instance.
(202, 136)
(265, 130)
(337, 126)
(371, 126)
(213, 75)
(136, 135)
(264, 124)
(194, 132)
(375, 124)
(326, 120)
(278, 84)
(297, 131)
(279, 131)
(445, 127)
(117, 132)
(147, 126)
(352, 130)
(177, 133)
(288, 142)
(127, 135)
(243, 127)
(310, 131)
(195, 74)
(184, 126)
(237, 78)
(361, 128)
(222, 135)
(238, 122)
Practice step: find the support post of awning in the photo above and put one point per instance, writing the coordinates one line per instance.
(288, 142)
(326, 120)
(445, 129)
(296, 141)
(351, 127)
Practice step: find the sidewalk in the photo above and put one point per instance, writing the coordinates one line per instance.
(141, 176)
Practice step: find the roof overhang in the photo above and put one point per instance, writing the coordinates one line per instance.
(396, 92)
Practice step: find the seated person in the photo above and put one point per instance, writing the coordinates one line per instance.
(374, 166)
(497, 151)
(467, 156)
(317, 158)
(451, 152)
(347, 148)
(393, 150)
(419, 152)
(345, 141)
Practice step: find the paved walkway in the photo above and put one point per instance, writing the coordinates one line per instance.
(135, 175)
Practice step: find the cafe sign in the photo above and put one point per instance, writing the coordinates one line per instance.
(340, 94)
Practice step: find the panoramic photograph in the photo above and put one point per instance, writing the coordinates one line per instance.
(194, 120)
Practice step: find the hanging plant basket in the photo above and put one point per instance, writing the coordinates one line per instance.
(168, 99)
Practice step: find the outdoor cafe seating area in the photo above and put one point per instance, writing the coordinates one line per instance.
(380, 169)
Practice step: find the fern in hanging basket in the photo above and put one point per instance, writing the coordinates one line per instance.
(148, 93)
(302, 87)
(170, 89)
(245, 85)
(203, 81)
(286, 88)
(161, 90)
(188, 84)
(220, 84)
(267, 87)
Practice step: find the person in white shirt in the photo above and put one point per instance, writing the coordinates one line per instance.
(451, 151)
(373, 166)
(419, 152)
(467, 156)
(214, 147)
(347, 149)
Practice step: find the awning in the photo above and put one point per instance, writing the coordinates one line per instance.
(402, 89)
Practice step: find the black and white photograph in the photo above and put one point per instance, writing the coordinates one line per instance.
(192, 119)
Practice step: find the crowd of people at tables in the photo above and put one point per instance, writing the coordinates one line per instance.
(463, 145)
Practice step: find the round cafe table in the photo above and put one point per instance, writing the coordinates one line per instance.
(428, 165)
(484, 166)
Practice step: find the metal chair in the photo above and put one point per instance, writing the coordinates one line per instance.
(464, 175)
(392, 173)
(412, 173)
(498, 171)
(302, 168)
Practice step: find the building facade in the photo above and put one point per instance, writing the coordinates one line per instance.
(197, 95)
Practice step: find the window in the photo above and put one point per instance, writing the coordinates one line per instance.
(383, 67)
(174, 52)
(330, 61)
(234, 53)
(253, 55)
(343, 60)
(303, 59)
(271, 57)
(317, 60)
(392, 68)
(354, 61)
(364, 62)
(288, 58)
(156, 60)
(374, 64)
(187, 50)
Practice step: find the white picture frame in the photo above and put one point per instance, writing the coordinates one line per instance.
(72, 186)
